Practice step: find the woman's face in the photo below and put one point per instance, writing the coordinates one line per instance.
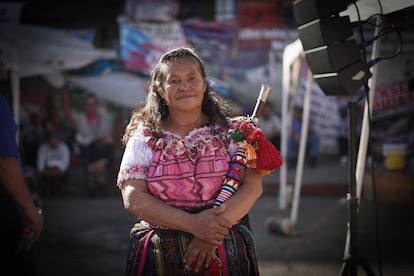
(184, 85)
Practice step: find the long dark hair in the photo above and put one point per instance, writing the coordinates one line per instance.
(155, 110)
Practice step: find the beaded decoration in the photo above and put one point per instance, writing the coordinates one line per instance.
(233, 177)
(254, 151)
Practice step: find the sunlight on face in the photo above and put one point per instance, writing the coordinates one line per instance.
(184, 84)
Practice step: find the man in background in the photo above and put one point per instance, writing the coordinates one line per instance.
(53, 161)
(270, 124)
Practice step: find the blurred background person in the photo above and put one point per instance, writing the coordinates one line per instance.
(312, 142)
(343, 136)
(99, 165)
(53, 161)
(32, 136)
(270, 124)
(90, 125)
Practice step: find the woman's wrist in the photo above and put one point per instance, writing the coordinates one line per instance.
(188, 223)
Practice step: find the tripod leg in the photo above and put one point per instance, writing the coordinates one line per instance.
(351, 256)
(364, 264)
(347, 267)
(344, 269)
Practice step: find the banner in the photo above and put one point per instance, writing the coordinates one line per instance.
(217, 42)
(151, 10)
(142, 43)
(243, 69)
(259, 23)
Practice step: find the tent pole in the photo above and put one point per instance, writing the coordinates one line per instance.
(363, 143)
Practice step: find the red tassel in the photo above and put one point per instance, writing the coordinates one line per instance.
(268, 157)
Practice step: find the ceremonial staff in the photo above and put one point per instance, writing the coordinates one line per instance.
(253, 150)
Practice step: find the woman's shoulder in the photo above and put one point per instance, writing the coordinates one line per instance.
(141, 135)
(141, 131)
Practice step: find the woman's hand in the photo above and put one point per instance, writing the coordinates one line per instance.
(209, 226)
(198, 255)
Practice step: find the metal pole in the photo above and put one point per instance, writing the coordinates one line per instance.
(352, 199)
(302, 148)
(290, 54)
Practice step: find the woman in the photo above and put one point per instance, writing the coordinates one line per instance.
(177, 154)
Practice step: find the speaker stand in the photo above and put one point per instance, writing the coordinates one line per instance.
(352, 259)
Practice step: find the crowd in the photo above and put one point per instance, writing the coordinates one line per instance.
(87, 140)
(51, 148)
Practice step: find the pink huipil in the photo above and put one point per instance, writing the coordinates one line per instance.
(184, 172)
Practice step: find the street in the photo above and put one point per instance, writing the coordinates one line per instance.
(89, 236)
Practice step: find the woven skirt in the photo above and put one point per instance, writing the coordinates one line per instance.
(155, 251)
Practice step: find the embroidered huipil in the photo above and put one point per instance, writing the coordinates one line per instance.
(183, 171)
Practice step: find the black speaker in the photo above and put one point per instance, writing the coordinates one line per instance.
(308, 10)
(346, 81)
(333, 56)
(325, 31)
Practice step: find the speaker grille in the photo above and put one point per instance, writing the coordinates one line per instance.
(346, 81)
(333, 58)
(324, 31)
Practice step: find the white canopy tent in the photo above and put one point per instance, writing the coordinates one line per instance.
(124, 89)
(39, 51)
(43, 50)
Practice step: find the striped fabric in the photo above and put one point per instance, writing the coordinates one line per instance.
(154, 251)
(188, 171)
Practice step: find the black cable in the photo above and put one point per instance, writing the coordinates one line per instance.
(372, 17)
(366, 86)
(369, 21)
(380, 6)
(382, 33)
